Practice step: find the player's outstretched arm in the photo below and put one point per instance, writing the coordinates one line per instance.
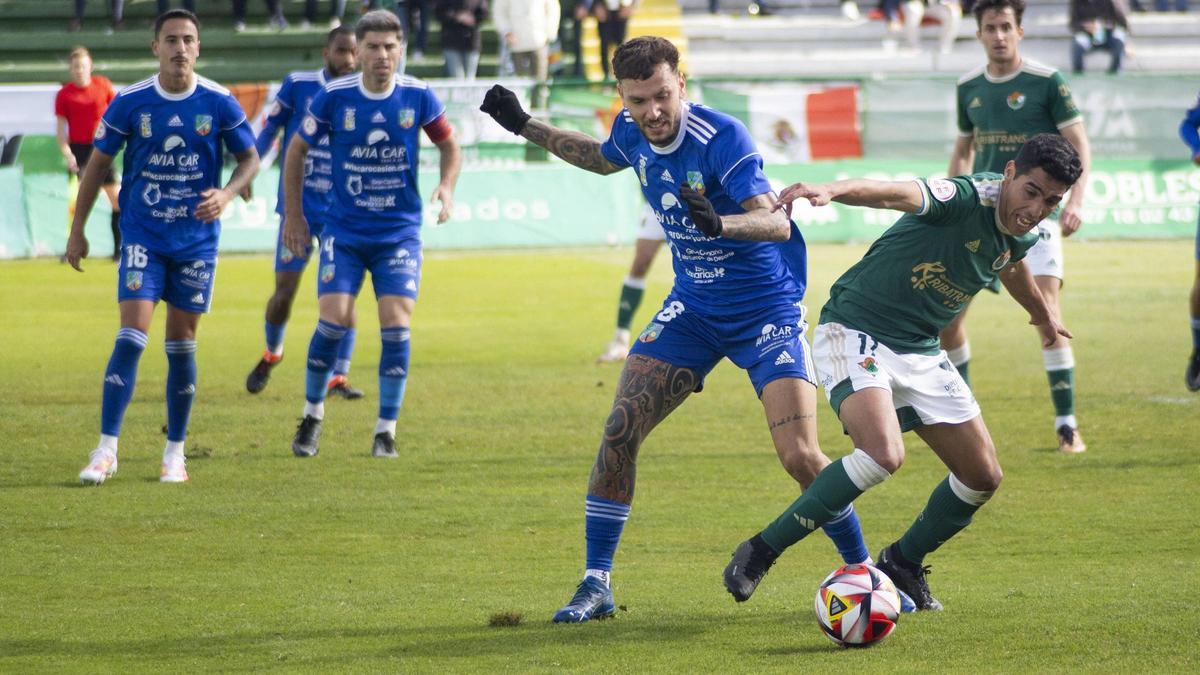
(89, 184)
(571, 146)
(1020, 285)
(215, 199)
(903, 196)
(450, 163)
(760, 222)
(296, 236)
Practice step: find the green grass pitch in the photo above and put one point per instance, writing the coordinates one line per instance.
(343, 563)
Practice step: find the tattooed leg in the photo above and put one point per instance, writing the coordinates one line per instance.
(791, 408)
(648, 391)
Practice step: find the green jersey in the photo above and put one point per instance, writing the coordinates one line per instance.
(925, 268)
(1001, 113)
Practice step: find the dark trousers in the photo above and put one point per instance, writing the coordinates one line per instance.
(1083, 43)
(239, 8)
(336, 9)
(189, 5)
(118, 10)
(612, 35)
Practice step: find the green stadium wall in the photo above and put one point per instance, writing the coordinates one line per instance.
(551, 204)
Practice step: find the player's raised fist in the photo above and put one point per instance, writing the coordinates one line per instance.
(504, 107)
(701, 211)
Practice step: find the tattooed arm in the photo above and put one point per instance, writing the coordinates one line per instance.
(572, 146)
(758, 223)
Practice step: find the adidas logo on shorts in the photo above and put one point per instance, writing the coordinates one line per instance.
(783, 358)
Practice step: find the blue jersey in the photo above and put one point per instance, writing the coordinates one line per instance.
(289, 109)
(374, 145)
(1189, 129)
(172, 155)
(714, 154)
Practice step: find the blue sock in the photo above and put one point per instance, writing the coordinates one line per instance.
(119, 378)
(846, 533)
(321, 351)
(603, 521)
(345, 349)
(274, 333)
(393, 371)
(1196, 333)
(181, 386)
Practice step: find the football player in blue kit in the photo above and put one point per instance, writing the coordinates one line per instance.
(373, 121)
(291, 104)
(172, 126)
(740, 273)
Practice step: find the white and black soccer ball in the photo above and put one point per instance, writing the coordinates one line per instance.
(857, 606)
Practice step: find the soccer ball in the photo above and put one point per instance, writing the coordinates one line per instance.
(857, 606)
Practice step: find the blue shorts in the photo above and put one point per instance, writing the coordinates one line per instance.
(767, 342)
(184, 280)
(286, 260)
(395, 266)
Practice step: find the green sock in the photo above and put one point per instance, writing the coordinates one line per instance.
(944, 516)
(1062, 390)
(830, 493)
(631, 298)
(963, 368)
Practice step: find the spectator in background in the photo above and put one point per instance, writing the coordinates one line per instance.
(461, 40)
(570, 32)
(612, 18)
(1098, 25)
(118, 16)
(527, 26)
(274, 8)
(78, 108)
(415, 18)
(1189, 131)
(336, 9)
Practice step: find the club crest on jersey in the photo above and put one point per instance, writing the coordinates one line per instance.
(100, 132)
(641, 170)
(651, 333)
(133, 280)
(868, 364)
(1016, 100)
(204, 124)
(973, 246)
(144, 127)
(408, 117)
(695, 180)
(327, 273)
(999, 263)
(348, 119)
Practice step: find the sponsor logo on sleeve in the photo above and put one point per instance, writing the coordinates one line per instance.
(942, 190)
(310, 125)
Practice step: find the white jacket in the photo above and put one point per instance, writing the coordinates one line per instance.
(533, 23)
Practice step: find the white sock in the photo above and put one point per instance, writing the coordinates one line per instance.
(1068, 420)
(602, 575)
(109, 443)
(385, 426)
(277, 352)
(316, 410)
(622, 336)
(863, 471)
(173, 449)
(959, 355)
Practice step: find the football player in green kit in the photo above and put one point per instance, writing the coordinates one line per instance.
(877, 354)
(1001, 104)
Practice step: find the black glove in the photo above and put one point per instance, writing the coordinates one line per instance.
(505, 108)
(701, 212)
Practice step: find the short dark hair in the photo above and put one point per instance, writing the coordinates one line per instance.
(175, 14)
(379, 21)
(638, 58)
(1051, 153)
(1017, 6)
(337, 33)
